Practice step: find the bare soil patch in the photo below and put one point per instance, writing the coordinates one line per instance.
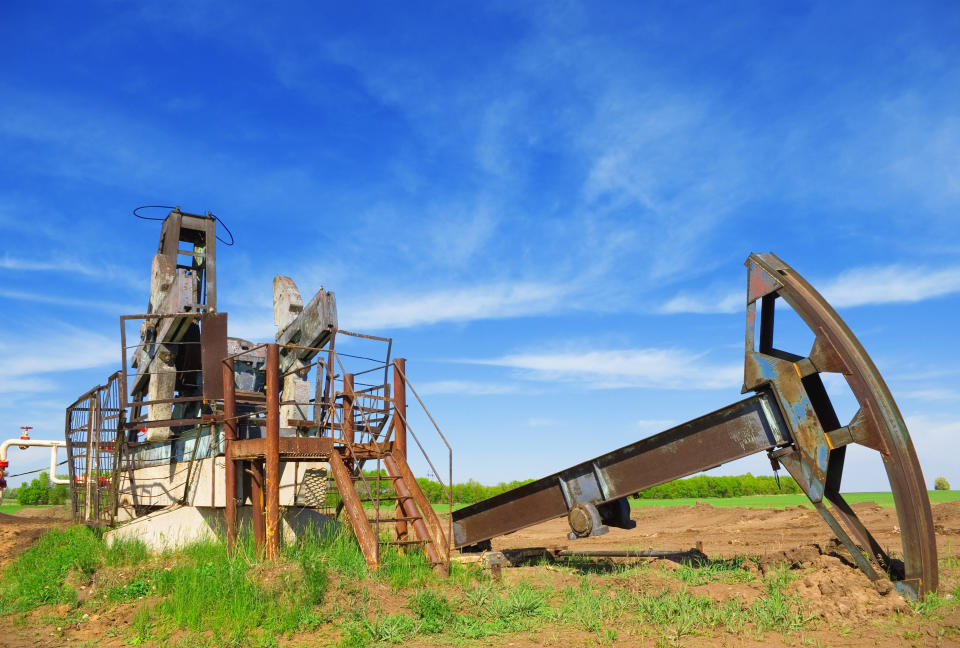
(18, 533)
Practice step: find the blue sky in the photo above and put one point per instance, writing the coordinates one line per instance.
(546, 205)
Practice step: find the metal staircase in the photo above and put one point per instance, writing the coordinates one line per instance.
(355, 425)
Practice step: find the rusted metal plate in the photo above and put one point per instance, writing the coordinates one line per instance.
(213, 349)
(298, 448)
(738, 430)
(536, 502)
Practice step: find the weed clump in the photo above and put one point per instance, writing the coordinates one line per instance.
(434, 611)
(39, 575)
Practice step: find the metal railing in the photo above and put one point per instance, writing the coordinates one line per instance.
(361, 418)
(93, 432)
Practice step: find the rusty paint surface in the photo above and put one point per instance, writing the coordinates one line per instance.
(878, 424)
(289, 448)
(213, 349)
(735, 431)
(272, 453)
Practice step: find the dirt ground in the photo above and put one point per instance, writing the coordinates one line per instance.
(832, 587)
(19, 531)
(858, 613)
(728, 532)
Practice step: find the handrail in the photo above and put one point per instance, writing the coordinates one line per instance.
(443, 438)
(344, 416)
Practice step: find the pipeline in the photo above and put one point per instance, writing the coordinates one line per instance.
(22, 444)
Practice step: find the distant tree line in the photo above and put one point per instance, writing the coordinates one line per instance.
(735, 486)
(468, 492)
(701, 486)
(41, 491)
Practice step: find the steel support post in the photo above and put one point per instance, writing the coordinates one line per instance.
(408, 507)
(229, 467)
(353, 505)
(272, 452)
(256, 503)
(88, 468)
(347, 424)
(400, 429)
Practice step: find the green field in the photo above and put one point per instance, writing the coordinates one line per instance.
(13, 508)
(884, 499)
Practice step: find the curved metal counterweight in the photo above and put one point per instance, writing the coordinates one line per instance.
(790, 417)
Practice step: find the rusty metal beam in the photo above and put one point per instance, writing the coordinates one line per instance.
(289, 448)
(256, 504)
(400, 429)
(230, 466)
(408, 508)
(355, 510)
(272, 452)
(744, 428)
(347, 425)
(427, 524)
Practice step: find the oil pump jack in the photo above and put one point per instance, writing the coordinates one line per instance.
(279, 424)
(789, 417)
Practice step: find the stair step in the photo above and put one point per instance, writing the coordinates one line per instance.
(394, 519)
(358, 426)
(400, 543)
(385, 498)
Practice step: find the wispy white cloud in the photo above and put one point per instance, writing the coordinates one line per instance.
(930, 435)
(95, 304)
(456, 239)
(465, 387)
(728, 303)
(62, 265)
(855, 287)
(936, 394)
(540, 421)
(478, 302)
(255, 326)
(616, 368)
(933, 429)
(57, 350)
(25, 385)
(102, 271)
(890, 284)
(454, 305)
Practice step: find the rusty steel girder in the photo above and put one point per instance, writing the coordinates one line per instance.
(790, 417)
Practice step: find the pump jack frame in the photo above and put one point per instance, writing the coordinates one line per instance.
(790, 417)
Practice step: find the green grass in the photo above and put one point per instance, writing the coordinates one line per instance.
(10, 509)
(717, 571)
(884, 499)
(39, 575)
(201, 596)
